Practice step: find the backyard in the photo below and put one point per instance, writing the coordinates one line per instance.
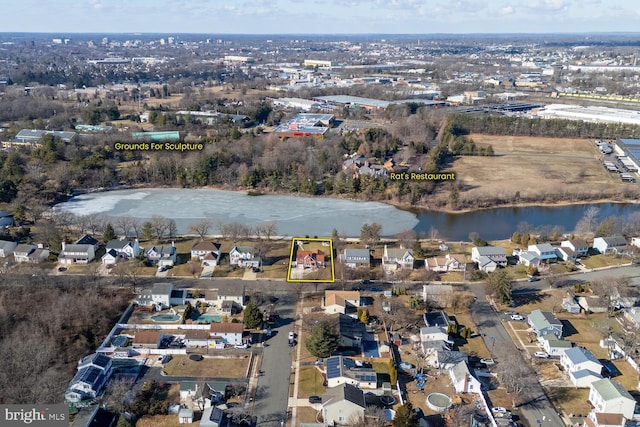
(228, 367)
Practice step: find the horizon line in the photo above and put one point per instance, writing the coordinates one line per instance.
(330, 34)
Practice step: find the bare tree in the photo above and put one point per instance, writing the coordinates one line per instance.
(136, 226)
(201, 228)
(116, 394)
(406, 238)
(125, 224)
(515, 376)
(459, 415)
(95, 223)
(588, 221)
(267, 229)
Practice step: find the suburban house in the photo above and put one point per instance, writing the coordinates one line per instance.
(354, 258)
(351, 330)
(213, 417)
(198, 338)
(578, 246)
(93, 372)
(544, 251)
(444, 264)
(462, 379)
(161, 255)
(592, 304)
(161, 294)
(397, 258)
(582, 366)
(6, 248)
(344, 370)
(147, 338)
(76, 253)
(30, 253)
(88, 239)
(554, 346)
(208, 253)
(232, 294)
(446, 359)
(341, 404)
(310, 259)
(228, 333)
(243, 256)
(611, 244)
(434, 338)
(599, 419)
(529, 258)
(543, 322)
(611, 397)
(437, 318)
(185, 416)
(344, 302)
(122, 249)
(489, 258)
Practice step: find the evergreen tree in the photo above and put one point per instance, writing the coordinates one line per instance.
(405, 416)
(501, 284)
(323, 340)
(252, 316)
(109, 233)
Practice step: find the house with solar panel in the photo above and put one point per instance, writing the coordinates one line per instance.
(351, 330)
(93, 372)
(345, 370)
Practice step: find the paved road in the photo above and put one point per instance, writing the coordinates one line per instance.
(499, 343)
(272, 394)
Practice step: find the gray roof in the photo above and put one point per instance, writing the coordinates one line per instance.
(610, 390)
(36, 134)
(615, 241)
(87, 240)
(579, 355)
(117, 244)
(543, 319)
(529, 256)
(24, 248)
(583, 373)
(74, 248)
(4, 244)
(357, 253)
(161, 289)
(344, 392)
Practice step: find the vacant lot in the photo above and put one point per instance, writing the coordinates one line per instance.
(534, 169)
(182, 366)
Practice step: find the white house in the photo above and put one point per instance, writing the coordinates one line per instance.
(243, 256)
(341, 301)
(206, 252)
(124, 249)
(161, 255)
(483, 254)
(599, 419)
(544, 251)
(6, 248)
(93, 372)
(228, 333)
(354, 258)
(161, 294)
(544, 322)
(554, 346)
(611, 397)
(462, 379)
(582, 366)
(578, 246)
(610, 244)
(341, 404)
(449, 262)
(344, 370)
(397, 258)
(528, 258)
(185, 416)
(76, 253)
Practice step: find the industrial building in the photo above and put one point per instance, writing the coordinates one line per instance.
(628, 154)
(34, 135)
(318, 63)
(297, 103)
(369, 103)
(304, 124)
(590, 114)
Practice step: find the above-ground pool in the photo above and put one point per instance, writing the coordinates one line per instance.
(210, 318)
(165, 317)
(438, 402)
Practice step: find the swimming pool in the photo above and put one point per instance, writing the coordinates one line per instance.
(165, 317)
(210, 318)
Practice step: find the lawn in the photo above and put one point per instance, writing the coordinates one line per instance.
(306, 414)
(589, 331)
(170, 420)
(599, 261)
(310, 381)
(182, 366)
(571, 400)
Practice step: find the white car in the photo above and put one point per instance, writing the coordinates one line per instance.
(487, 361)
(243, 345)
(516, 317)
(541, 354)
(292, 336)
(499, 410)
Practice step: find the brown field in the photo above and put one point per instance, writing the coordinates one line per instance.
(182, 366)
(545, 168)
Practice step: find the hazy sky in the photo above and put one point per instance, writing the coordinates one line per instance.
(320, 16)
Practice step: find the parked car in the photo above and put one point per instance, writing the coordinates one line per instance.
(499, 410)
(533, 279)
(541, 354)
(374, 289)
(315, 399)
(516, 317)
(243, 345)
(488, 361)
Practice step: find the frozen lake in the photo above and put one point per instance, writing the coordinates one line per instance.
(295, 216)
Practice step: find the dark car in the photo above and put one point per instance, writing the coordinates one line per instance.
(365, 282)
(374, 289)
(315, 399)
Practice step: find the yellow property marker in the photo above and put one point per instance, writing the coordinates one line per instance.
(313, 257)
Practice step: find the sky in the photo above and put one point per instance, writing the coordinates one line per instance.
(320, 16)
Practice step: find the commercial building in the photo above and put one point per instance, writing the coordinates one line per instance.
(318, 63)
(590, 114)
(34, 135)
(305, 124)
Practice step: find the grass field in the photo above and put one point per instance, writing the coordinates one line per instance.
(598, 261)
(571, 400)
(310, 381)
(182, 366)
(533, 167)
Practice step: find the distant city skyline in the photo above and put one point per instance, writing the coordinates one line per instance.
(321, 16)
